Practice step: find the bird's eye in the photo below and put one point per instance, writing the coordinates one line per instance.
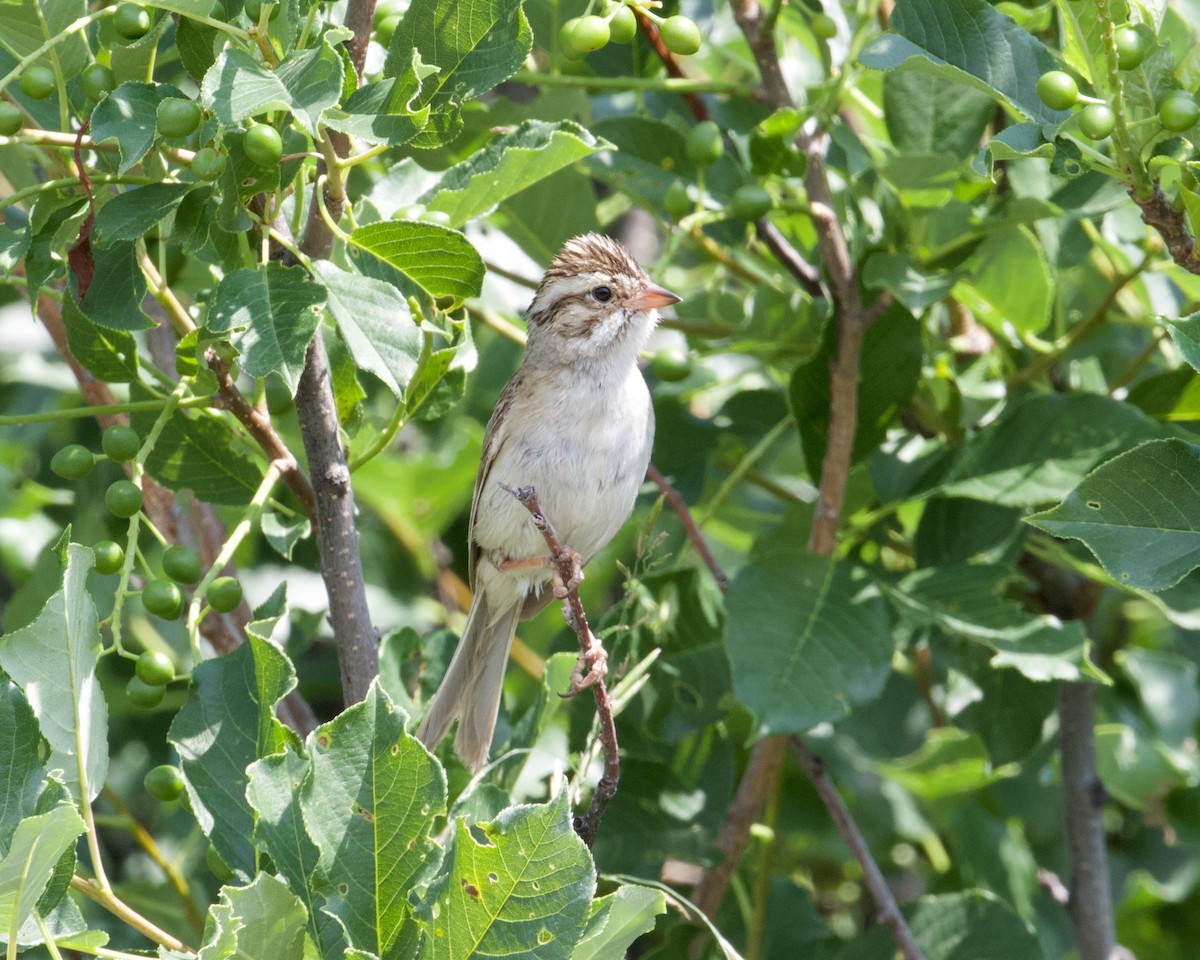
(603, 294)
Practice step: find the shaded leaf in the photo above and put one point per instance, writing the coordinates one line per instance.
(37, 846)
(969, 926)
(129, 116)
(111, 355)
(114, 297)
(1139, 513)
(129, 215)
(617, 921)
(305, 83)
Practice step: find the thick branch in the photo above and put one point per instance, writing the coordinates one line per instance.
(1158, 213)
(593, 656)
(337, 535)
(887, 910)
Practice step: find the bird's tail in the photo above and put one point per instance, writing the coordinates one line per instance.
(471, 688)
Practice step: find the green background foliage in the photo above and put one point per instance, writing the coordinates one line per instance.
(1021, 486)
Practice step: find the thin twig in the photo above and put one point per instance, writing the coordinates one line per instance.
(886, 909)
(679, 505)
(263, 432)
(119, 908)
(592, 654)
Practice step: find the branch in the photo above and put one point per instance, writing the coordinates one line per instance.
(263, 432)
(1158, 213)
(887, 910)
(679, 505)
(337, 534)
(593, 657)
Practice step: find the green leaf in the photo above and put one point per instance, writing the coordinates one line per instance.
(1138, 513)
(198, 453)
(369, 803)
(969, 926)
(283, 534)
(37, 845)
(970, 42)
(274, 794)
(897, 274)
(196, 44)
(20, 759)
(929, 114)
(53, 660)
(114, 298)
(439, 260)
(129, 116)
(1041, 446)
(1135, 768)
(987, 287)
(111, 355)
(272, 314)
(226, 724)
(305, 83)
(129, 215)
(374, 320)
(385, 111)
(526, 889)
(948, 764)
(187, 8)
(507, 165)
(969, 600)
(474, 44)
(24, 32)
(263, 920)
(617, 920)
(807, 637)
(1166, 684)
(1186, 334)
(891, 364)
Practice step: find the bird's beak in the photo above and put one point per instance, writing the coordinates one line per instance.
(650, 297)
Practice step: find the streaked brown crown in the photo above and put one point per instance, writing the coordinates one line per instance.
(593, 253)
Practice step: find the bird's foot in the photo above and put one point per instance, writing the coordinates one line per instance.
(563, 590)
(591, 667)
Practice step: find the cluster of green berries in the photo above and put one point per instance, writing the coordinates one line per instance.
(617, 23)
(1178, 110)
(705, 145)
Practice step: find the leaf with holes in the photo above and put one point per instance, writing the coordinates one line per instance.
(1139, 513)
(528, 881)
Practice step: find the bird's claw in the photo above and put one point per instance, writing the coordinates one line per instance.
(563, 590)
(591, 667)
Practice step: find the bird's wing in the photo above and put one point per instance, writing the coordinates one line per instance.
(494, 437)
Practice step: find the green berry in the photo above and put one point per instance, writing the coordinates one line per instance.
(824, 27)
(181, 564)
(163, 599)
(11, 118)
(1131, 48)
(164, 782)
(178, 117)
(98, 82)
(121, 443)
(678, 201)
(589, 34)
(224, 594)
(155, 669)
(131, 21)
(208, 164)
(750, 202)
(671, 366)
(37, 82)
(73, 462)
(1058, 90)
(564, 39)
(1178, 111)
(254, 10)
(123, 498)
(263, 145)
(143, 694)
(109, 556)
(705, 144)
(1097, 121)
(622, 26)
(680, 35)
(385, 29)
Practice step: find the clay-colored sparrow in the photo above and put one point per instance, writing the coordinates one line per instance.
(576, 423)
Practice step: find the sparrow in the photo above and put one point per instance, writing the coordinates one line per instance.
(575, 422)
